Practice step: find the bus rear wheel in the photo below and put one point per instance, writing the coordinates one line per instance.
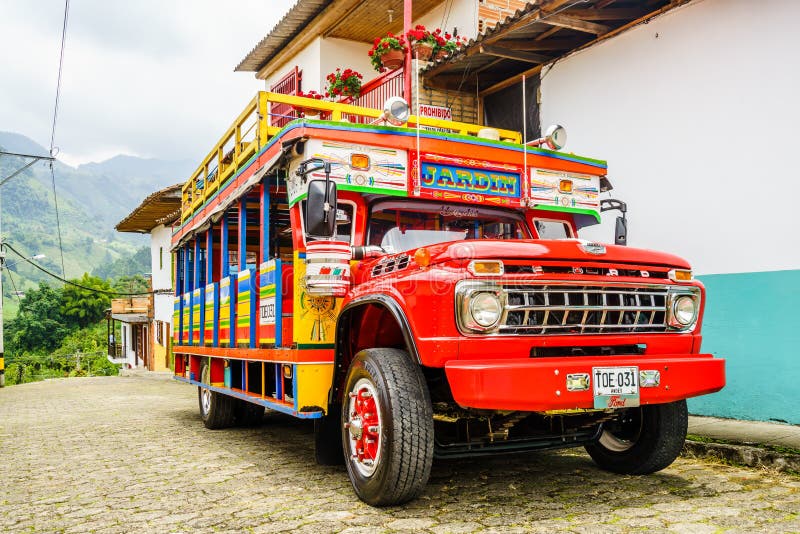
(216, 410)
(642, 440)
(387, 423)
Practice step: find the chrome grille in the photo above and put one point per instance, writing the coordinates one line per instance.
(591, 309)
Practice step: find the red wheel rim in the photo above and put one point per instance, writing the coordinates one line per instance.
(364, 427)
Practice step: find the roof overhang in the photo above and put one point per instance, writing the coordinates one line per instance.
(353, 20)
(162, 207)
(135, 318)
(537, 36)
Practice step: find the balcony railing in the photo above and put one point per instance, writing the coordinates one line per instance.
(375, 92)
(253, 128)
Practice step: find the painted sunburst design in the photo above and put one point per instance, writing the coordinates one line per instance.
(319, 311)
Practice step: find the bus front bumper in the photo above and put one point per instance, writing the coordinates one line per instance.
(544, 384)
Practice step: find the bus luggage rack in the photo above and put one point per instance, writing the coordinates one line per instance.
(558, 309)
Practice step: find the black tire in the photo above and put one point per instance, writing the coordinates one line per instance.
(328, 438)
(248, 413)
(643, 440)
(218, 410)
(396, 468)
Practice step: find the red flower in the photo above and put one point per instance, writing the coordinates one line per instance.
(370, 53)
(447, 36)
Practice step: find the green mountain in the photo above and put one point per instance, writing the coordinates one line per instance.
(92, 199)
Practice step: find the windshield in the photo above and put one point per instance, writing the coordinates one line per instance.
(396, 226)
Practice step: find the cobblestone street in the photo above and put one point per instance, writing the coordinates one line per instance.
(127, 454)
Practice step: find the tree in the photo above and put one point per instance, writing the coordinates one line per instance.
(86, 306)
(132, 284)
(39, 324)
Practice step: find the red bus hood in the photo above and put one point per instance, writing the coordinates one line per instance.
(562, 249)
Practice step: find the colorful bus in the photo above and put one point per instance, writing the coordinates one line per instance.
(419, 289)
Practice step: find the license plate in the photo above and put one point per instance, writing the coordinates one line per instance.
(615, 387)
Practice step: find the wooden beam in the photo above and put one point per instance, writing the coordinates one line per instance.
(535, 70)
(572, 23)
(542, 46)
(603, 3)
(441, 67)
(545, 34)
(446, 82)
(517, 78)
(518, 55)
(488, 65)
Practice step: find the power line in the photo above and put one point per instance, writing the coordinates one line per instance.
(21, 169)
(16, 293)
(70, 282)
(6, 153)
(58, 220)
(53, 134)
(58, 84)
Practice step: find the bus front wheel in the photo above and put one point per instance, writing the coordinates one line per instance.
(387, 423)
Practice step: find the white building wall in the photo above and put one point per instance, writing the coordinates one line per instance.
(455, 14)
(343, 54)
(696, 113)
(127, 348)
(160, 257)
(308, 60)
(161, 267)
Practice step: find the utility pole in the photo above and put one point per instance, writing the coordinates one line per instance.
(3, 251)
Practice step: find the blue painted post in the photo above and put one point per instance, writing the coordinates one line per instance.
(196, 285)
(179, 263)
(278, 302)
(196, 273)
(225, 268)
(186, 265)
(243, 254)
(210, 280)
(243, 233)
(187, 288)
(264, 219)
(210, 254)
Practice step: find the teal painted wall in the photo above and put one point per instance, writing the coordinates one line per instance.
(753, 321)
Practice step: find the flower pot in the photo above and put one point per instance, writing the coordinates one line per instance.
(393, 59)
(423, 51)
(441, 54)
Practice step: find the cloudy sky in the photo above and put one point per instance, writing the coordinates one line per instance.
(151, 78)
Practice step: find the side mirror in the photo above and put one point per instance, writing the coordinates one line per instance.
(621, 231)
(320, 214)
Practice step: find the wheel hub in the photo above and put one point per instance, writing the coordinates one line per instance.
(205, 393)
(364, 427)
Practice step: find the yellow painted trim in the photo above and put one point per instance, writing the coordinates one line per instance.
(313, 383)
(254, 121)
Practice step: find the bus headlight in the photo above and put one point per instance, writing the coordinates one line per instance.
(485, 309)
(683, 310)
